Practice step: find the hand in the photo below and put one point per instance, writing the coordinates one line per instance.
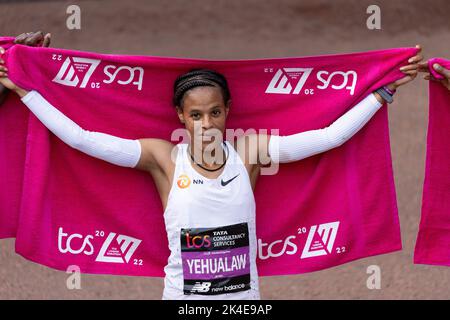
(411, 70)
(5, 81)
(33, 39)
(423, 67)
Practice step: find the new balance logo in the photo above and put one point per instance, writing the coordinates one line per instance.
(74, 66)
(320, 240)
(201, 287)
(119, 251)
(284, 79)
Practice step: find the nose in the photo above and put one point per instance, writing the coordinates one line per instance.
(206, 123)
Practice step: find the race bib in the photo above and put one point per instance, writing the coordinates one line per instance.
(215, 260)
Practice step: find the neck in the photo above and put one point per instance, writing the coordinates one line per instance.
(208, 156)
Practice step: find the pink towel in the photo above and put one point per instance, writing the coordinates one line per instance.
(313, 214)
(13, 134)
(440, 61)
(433, 240)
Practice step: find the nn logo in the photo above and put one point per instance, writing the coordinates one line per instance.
(288, 80)
(197, 181)
(73, 68)
(119, 251)
(320, 240)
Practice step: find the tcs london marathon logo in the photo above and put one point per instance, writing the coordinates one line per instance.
(77, 72)
(293, 81)
(115, 248)
(320, 240)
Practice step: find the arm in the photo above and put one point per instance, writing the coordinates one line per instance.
(298, 146)
(115, 150)
(143, 154)
(301, 145)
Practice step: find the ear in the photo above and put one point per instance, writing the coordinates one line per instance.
(227, 108)
(180, 114)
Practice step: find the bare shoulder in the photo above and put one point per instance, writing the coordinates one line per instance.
(156, 154)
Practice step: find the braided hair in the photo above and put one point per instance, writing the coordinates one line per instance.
(196, 78)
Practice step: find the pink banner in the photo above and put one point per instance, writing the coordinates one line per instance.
(13, 135)
(313, 214)
(433, 240)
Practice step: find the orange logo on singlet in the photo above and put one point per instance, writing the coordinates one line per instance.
(183, 181)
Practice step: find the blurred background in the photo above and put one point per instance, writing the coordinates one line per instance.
(252, 29)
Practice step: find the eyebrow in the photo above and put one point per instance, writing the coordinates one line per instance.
(196, 110)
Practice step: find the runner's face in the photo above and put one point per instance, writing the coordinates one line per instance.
(204, 114)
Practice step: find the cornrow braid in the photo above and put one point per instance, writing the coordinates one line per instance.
(196, 78)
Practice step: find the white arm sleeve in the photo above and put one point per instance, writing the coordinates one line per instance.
(118, 151)
(305, 144)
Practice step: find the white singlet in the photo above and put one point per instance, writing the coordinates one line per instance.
(210, 226)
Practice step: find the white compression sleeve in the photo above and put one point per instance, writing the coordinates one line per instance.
(305, 144)
(118, 151)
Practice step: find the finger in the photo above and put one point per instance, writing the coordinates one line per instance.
(47, 40)
(423, 66)
(416, 58)
(3, 68)
(404, 80)
(32, 38)
(409, 67)
(2, 50)
(410, 72)
(434, 79)
(441, 70)
(23, 37)
(20, 38)
(3, 74)
(35, 39)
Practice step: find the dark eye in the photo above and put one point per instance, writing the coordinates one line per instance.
(195, 115)
(216, 112)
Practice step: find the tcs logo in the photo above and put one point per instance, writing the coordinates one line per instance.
(198, 241)
(77, 71)
(117, 248)
(183, 181)
(83, 244)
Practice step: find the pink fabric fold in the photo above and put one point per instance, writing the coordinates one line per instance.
(433, 239)
(313, 214)
(440, 61)
(13, 134)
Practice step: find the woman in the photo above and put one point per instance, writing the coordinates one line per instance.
(220, 212)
